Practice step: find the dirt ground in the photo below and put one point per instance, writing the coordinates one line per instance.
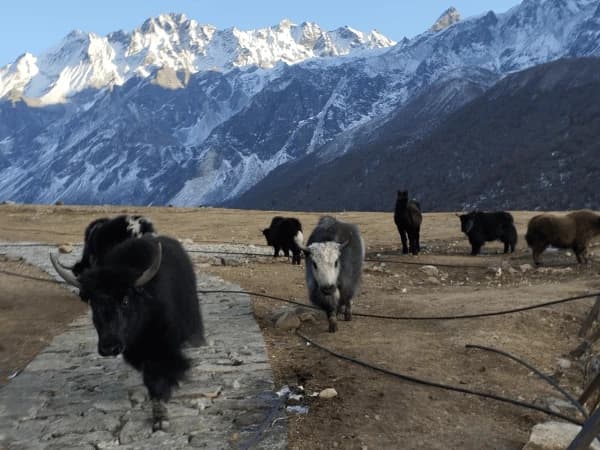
(372, 410)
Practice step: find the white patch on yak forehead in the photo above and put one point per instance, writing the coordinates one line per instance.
(134, 226)
(325, 255)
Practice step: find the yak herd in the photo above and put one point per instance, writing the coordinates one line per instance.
(141, 286)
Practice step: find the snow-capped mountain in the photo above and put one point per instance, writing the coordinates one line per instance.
(448, 17)
(180, 113)
(86, 60)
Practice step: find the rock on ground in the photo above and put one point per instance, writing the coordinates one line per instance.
(554, 436)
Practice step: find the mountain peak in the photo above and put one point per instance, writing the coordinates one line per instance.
(448, 17)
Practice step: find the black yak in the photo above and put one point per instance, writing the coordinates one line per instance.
(408, 218)
(104, 233)
(144, 306)
(285, 233)
(481, 227)
(574, 231)
(334, 259)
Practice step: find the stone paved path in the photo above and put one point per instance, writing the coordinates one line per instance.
(70, 397)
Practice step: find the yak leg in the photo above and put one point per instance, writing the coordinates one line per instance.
(160, 376)
(414, 242)
(160, 392)
(295, 257)
(348, 311)
(403, 238)
(537, 251)
(417, 241)
(580, 254)
(160, 416)
(332, 321)
(475, 248)
(506, 246)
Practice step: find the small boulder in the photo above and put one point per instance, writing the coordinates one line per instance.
(287, 321)
(430, 270)
(65, 248)
(525, 267)
(328, 393)
(554, 436)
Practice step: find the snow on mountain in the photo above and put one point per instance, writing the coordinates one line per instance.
(183, 113)
(86, 60)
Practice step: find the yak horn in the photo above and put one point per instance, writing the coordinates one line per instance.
(151, 271)
(303, 247)
(64, 272)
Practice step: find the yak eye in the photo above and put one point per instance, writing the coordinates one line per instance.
(314, 265)
(125, 301)
(337, 261)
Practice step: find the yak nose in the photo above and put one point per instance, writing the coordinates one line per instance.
(328, 290)
(109, 348)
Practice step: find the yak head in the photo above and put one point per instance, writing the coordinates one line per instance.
(115, 291)
(267, 234)
(402, 198)
(467, 221)
(323, 261)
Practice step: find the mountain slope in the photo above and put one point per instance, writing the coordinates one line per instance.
(179, 113)
(529, 142)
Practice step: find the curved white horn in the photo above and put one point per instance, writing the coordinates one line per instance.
(151, 271)
(64, 273)
(301, 246)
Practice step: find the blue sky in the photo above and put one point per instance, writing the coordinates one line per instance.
(35, 25)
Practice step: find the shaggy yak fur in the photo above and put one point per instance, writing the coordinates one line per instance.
(104, 233)
(334, 259)
(481, 227)
(408, 218)
(284, 233)
(574, 231)
(144, 306)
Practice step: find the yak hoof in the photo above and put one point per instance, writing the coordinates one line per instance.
(347, 315)
(332, 326)
(160, 417)
(160, 425)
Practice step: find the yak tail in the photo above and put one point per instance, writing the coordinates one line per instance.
(299, 239)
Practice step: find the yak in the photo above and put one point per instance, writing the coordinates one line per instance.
(481, 227)
(104, 233)
(334, 259)
(144, 306)
(283, 234)
(408, 218)
(573, 231)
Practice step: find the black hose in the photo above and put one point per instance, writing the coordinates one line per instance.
(29, 277)
(544, 377)
(436, 384)
(382, 316)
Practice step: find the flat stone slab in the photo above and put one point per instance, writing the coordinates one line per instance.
(70, 397)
